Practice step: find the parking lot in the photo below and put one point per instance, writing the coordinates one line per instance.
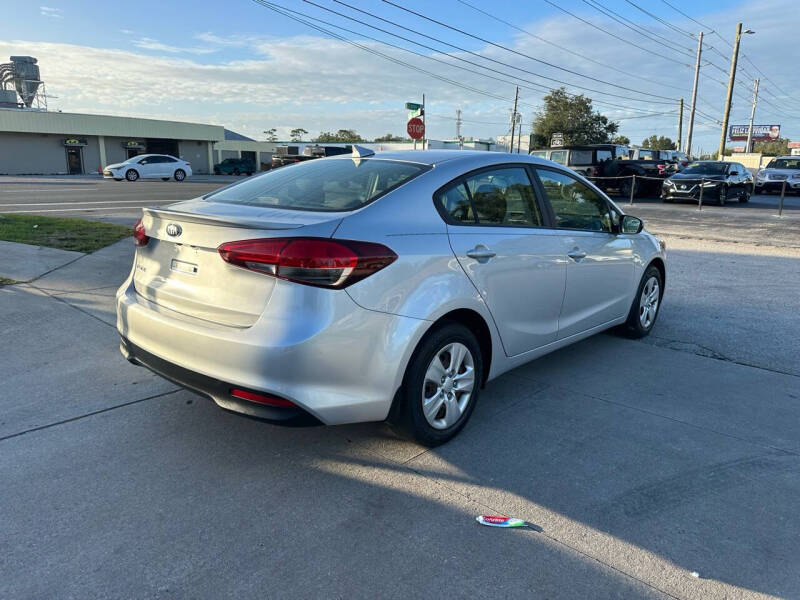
(663, 468)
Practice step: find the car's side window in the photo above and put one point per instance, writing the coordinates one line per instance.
(575, 205)
(454, 200)
(501, 196)
(504, 196)
(559, 156)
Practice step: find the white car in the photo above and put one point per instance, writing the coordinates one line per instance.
(149, 166)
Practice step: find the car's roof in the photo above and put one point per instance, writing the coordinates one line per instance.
(434, 157)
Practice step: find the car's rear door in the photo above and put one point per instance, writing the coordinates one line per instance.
(600, 269)
(497, 231)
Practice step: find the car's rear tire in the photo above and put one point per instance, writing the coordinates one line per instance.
(722, 198)
(180, 175)
(249, 173)
(236, 172)
(745, 195)
(646, 304)
(441, 385)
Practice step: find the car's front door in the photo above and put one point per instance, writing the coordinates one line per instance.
(496, 229)
(600, 268)
(147, 167)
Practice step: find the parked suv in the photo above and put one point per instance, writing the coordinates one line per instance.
(778, 170)
(235, 166)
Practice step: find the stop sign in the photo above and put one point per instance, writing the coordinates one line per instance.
(416, 128)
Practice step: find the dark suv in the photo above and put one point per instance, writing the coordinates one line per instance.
(235, 166)
(286, 155)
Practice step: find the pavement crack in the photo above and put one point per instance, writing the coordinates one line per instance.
(89, 414)
(79, 309)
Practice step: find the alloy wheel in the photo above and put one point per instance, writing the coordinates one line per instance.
(448, 385)
(648, 303)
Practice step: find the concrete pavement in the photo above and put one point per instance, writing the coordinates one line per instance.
(642, 461)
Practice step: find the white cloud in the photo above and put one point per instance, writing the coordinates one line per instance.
(50, 12)
(146, 43)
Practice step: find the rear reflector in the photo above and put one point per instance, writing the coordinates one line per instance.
(320, 262)
(140, 237)
(262, 398)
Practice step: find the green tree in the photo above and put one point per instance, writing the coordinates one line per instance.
(572, 116)
(272, 135)
(658, 143)
(777, 147)
(297, 134)
(622, 139)
(391, 138)
(343, 135)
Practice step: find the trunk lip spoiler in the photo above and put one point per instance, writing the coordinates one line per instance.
(248, 223)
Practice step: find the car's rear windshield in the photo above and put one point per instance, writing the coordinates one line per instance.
(322, 185)
(784, 163)
(713, 168)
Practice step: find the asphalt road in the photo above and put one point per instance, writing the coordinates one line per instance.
(661, 468)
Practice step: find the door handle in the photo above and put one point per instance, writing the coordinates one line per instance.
(576, 254)
(481, 252)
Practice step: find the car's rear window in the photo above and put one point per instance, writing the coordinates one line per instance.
(323, 185)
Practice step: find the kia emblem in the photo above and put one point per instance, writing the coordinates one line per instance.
(174, 230)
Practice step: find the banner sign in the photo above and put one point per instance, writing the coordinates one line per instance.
(133, 145)
(761, 133)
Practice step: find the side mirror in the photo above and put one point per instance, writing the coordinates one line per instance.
(630, 224)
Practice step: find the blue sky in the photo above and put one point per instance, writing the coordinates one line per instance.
(242, 65)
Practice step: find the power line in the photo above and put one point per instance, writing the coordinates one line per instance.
(662, 21)
(515, 78)
(461, 49)
(282, 11)
(544, 62)
(565, 49)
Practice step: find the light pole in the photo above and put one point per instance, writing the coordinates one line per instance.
(731, 81)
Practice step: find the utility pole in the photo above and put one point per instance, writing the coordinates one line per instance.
(680, 125)
(424, 135)
(690, 129)
(519, 135)
(458, 128)
(513, 120)
(731, 80)
(749, 146)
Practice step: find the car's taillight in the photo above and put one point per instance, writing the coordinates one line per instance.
(661, 169)
(140, 237)
(319, 262)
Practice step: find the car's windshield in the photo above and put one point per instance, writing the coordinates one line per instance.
(784, 163)
(710, 168)
(322, 185)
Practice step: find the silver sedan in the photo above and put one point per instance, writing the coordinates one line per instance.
(389, 286)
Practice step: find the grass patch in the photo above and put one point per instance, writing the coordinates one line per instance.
(6, 281)
(65, 234)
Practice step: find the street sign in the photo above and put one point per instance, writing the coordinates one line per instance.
(413, 106)
(416, 128)
(557, 140)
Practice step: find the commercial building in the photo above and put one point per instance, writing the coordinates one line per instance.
(39, 142)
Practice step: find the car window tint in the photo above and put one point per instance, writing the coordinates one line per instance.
(168, 159)
(337, 184)
(539, 153)
(504, 196)
(603, 155)
(559, 156)
(575, 205)
(581, 157)
(454, 200)
(645, 155)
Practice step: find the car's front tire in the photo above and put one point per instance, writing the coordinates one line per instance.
(441, 385)
(722, 198)
(646, 304)
(131, 175)
(180, 175)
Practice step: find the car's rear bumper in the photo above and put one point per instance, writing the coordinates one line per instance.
(316, 348)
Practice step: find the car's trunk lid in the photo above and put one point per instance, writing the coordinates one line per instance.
(181, 270)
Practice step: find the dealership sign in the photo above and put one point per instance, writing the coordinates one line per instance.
(761, 133)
